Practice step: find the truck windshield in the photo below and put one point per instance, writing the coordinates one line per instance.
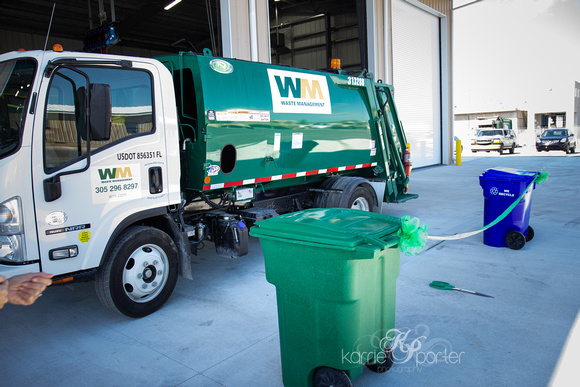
(15, 81)
(483, 133)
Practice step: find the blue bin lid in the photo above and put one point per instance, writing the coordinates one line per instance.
(507, 174)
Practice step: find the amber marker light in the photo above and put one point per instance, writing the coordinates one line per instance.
(335, 64)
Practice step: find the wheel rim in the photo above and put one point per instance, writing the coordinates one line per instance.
(145, 273)
(360, 203)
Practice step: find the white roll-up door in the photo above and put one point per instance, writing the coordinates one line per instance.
(417, 80)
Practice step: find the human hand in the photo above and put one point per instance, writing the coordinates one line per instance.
(3, 291)
(24, 289)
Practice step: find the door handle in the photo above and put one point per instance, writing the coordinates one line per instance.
(155, 180)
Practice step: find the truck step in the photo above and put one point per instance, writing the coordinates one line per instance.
(404, 197)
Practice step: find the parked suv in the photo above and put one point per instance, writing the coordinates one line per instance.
(556, 139)
(494, 140)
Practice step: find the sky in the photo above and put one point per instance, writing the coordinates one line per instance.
(515, 54)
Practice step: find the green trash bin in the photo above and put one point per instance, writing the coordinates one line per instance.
(335, 273)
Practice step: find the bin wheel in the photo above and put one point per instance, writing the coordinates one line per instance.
(530, 234)
(515, 240)
(327, 377)
(385, 365)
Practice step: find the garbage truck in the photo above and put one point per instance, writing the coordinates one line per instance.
(118, 169)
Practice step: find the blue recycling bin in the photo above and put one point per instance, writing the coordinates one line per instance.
(501, 187)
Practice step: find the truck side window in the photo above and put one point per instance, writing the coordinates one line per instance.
(65, 137)
(16, 76)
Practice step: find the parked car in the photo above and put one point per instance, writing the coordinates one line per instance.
(556, 139)
(494, 140)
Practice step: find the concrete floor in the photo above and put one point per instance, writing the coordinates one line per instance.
(221, 328)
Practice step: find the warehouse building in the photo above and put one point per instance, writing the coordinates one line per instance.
(406, 43)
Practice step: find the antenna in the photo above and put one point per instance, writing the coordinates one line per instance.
(49, 25)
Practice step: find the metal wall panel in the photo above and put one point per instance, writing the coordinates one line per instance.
(417, 80)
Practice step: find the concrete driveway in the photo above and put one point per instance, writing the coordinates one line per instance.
(221, 328)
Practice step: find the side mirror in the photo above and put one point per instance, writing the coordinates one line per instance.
(101, 112)
(52, 189)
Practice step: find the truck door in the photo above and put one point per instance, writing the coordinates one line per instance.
(83, 189)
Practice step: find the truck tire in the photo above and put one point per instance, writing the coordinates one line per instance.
(356, 193)
(361, 199)
(140, 274)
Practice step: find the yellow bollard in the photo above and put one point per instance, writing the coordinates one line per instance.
(458, 152)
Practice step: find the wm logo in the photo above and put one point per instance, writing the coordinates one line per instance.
(299, 93)
(114, 173)
(300, 88)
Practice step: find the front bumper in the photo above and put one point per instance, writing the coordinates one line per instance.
(486, 148)
(553, 146)
(12, 270)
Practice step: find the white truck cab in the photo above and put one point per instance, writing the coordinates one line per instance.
(69, 187)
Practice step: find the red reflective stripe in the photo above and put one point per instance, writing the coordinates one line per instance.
(287, 176)
(233, 183)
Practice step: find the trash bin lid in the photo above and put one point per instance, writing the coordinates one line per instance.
(507, 174)
(330, 226)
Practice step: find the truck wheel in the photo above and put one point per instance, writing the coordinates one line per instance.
(327, 377)
(140, 273)
(361, 199)
(512, 149)
(356, 193)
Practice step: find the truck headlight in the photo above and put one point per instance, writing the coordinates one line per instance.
(11, 232)
(10, 248)
(496, 141)
(6, 215)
